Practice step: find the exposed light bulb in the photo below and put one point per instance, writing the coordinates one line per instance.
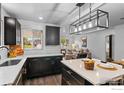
(84, 26)
(75, 29)
(95, 22)
(79, 28)
(90, 24)
(40, 17)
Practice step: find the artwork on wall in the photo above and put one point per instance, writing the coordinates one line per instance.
(32, 39)
(84, 41)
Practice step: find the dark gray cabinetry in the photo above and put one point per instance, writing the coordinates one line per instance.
(12, 31)
(42, 66)
(0, 23)
(69, 77)
(52, 35)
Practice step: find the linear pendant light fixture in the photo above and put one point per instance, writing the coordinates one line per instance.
(78, 26)
(93, 21)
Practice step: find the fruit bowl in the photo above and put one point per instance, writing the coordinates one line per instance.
(89, 64)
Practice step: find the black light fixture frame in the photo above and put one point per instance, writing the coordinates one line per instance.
(79, 5)
(95, 15)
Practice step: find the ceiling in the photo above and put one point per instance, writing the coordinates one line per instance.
(116, 11)
(51, 12)
(58, 13)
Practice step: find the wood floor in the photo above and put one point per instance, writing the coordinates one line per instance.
(48, 80)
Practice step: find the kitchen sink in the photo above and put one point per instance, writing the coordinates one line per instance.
(10, 62)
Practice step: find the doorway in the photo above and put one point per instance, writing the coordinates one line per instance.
(109, 48)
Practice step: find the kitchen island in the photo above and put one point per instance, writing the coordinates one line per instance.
(97, 76)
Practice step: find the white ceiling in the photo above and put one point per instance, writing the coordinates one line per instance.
(51, 12)
(116, 11)
(58, 13)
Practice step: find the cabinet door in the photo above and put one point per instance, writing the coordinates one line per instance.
(24, 74)
(39, 67)
(9, 31)
(43, 66)
(52, 35)
(47, 66)
(71, 78)
(33, 67)
(0, 24)
(57, 64)
(18, 33)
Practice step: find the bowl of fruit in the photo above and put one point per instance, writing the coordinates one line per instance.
(89, 64)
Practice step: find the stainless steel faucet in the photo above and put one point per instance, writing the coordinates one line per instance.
(4, 47)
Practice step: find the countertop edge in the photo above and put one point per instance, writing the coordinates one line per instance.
(23, 59)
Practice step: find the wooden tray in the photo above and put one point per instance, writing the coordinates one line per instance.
(106, 68)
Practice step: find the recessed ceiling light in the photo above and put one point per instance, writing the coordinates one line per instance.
(40, 18)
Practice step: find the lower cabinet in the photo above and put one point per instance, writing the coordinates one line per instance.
(69, 77)
(42, 66)
(20, 79)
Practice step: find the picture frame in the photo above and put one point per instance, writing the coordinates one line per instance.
(84, 41)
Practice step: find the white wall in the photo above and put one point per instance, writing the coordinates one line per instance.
(96, 42)
(119, 43)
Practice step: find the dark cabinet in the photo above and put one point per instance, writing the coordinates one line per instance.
(57, 64)
(52, 35)
(18, 33)
(0, 24)
(42, 66)
(69, 77)
(12, 31)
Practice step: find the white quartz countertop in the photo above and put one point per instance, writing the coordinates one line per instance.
(98, 75)
(8, 74)
(42, 55)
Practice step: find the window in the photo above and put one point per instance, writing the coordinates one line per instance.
(32, 39)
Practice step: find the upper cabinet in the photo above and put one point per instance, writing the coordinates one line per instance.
(52, 35)
(0, 24)
(12, 31)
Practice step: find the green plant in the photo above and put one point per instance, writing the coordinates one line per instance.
(63, 40)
